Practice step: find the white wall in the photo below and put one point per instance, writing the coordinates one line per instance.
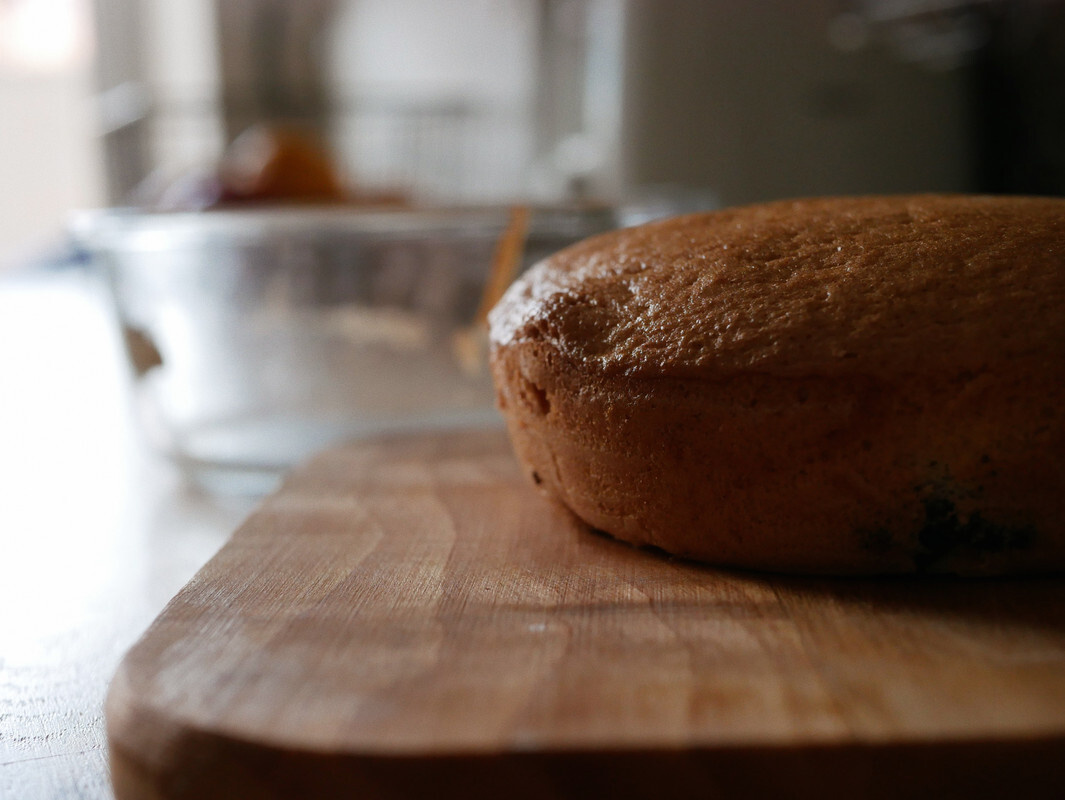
(442, 88)
(182, 73)
(49, 152)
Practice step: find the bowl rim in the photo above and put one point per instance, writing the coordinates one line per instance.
(127, 229)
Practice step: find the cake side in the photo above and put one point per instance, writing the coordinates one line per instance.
(900, 412)
(823, 475)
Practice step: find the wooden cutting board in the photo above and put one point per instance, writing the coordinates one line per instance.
(408, 618)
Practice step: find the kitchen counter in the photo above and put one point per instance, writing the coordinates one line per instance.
(96, 532)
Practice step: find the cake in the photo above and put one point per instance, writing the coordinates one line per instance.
(835, 385)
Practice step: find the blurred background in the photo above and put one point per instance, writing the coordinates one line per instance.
(346, 174)
(689, 102)
(451, 143)
(305, 209)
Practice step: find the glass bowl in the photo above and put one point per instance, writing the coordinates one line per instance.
(258, 337)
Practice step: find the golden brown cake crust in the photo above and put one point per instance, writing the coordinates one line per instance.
(833, 385)
(825, 286)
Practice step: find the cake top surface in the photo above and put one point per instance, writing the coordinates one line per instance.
(819, 286)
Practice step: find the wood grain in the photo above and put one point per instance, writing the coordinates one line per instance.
(408, 617)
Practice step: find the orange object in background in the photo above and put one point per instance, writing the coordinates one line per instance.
(271, 164)
(265, 165)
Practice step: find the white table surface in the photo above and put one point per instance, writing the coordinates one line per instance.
(96, 532)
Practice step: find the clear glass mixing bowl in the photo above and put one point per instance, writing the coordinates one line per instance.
(260, 336)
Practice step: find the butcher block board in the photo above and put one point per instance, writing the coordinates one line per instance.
(410, 618)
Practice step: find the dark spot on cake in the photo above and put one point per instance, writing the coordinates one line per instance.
(535, 332)
(876, 540)
(946, 533)
(536, 398)
(536, 478)
(985, 458)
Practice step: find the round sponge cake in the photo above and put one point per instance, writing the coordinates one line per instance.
(847, 385)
